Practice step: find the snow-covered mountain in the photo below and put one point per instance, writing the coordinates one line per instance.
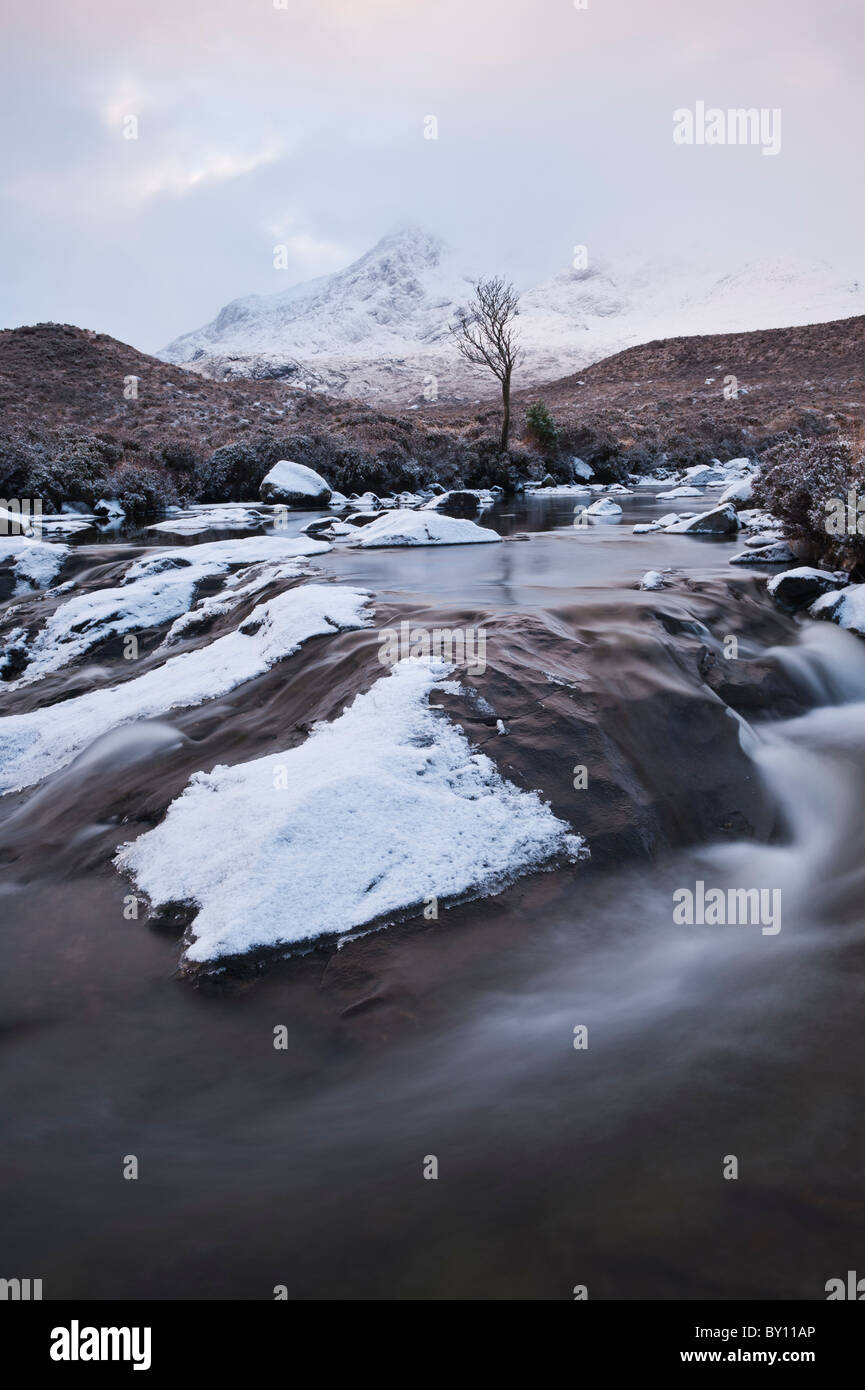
(399, 295)
(379, 328)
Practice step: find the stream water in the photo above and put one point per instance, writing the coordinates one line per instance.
(558, 1166)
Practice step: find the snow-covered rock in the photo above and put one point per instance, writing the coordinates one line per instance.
(109, 509)
(801, 586)
(581, 470)
(777, 552)
(385, 807)
(35, 744)
(741, 490)
(34, 563)
(845, 606)
(652, 580)
(295, 485)
(156, 590)
(683, 491)
(703, 474)
(464, 502)
(211, 516)
(755, 519)
(604, 509)
(719, 521)
(422, 528)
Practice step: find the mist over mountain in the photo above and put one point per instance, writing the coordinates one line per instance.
(379, 328)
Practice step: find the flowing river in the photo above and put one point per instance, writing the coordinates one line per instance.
(559, 1165)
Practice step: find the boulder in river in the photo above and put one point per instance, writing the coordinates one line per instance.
(703, 473)
(846, 607)
(422, 528)
(740, 490)
(295, 485)
(775, 552)
(652, 580)
(459, 502)
(799, 587)
(604, 508)
(720, 521)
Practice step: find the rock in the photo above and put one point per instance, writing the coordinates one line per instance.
(799, 587)
(702, 474)
(456, 503)
(677, 492)
(362, 518)
(719, 521)
(109, 509)
(295, 485)
(581, 471)
(846, 607)
(436, 488)
(776, 553)
(742, 490)
(652, 580)
(763, 538)
(422, 528)
(604, 507)
(319, 525)
(548, 481)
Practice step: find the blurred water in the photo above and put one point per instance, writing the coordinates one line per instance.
(557, 1166)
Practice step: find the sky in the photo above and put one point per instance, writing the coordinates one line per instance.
(304, 123)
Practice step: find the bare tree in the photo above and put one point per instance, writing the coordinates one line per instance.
(486, 336)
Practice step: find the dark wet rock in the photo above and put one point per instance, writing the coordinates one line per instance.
(462, 504)
(317, 527)
(797, 588)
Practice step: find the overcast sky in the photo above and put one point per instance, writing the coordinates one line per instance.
(304, 126)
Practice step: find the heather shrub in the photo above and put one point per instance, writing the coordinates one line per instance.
(141, 491)
(798, 482)
(231, 474)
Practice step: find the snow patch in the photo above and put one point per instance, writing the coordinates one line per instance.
(375, 812)
(36, 744)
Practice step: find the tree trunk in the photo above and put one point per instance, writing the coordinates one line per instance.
(506, 412)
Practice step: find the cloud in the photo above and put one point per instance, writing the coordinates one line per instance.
(304, 127)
